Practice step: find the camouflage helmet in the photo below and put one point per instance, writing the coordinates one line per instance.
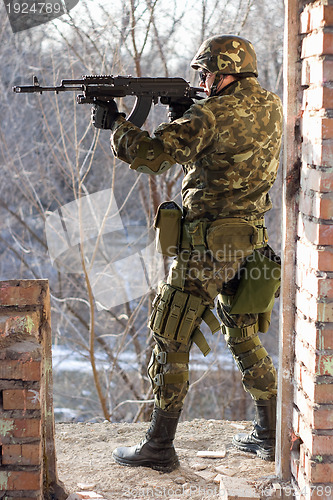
(226, 55)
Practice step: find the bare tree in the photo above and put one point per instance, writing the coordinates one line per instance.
(50, 156)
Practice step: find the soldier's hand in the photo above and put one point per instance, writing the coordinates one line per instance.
(177, 107)
(104, 114)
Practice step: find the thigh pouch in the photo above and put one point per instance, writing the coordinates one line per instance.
(255, 294)
(176, 316)
(167, 225)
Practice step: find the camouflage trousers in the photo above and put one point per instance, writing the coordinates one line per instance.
(206, 278)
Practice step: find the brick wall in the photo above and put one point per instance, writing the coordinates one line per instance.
(28, 465)
(312, 462)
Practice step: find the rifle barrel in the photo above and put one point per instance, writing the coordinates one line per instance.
(30, 89)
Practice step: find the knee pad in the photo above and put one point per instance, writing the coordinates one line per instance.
(176, 316)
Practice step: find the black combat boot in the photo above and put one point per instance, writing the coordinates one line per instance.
(262, 438)
(156, 450)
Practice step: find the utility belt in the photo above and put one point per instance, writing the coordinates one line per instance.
(227, 240)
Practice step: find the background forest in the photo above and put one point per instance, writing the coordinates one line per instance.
(51, 155)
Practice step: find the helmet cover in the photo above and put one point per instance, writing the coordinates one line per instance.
(226, 55)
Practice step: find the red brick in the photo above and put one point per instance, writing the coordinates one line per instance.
(305, 21)
(294, 464)
(316, 205)
(6, 429)
(315, 415)
(317, 97)
(324, 364)
(19, 428)
(325, 209)
(21, 399)
(316, 471)
(26, 427)
(316, 444)
(20, 480)
(319, 258)
(317, 362)
(317, 70)
(22, 292)
(325, 259)
(316, 180)
(318, 335)
(21, 454)
(313, 477)
(305, 355)
(315, 232)
(309, 491)
(317, 152)
(316, 16)
(317, 127)
(25, 324)
(321, 16)
(20, 370)
(317, 392)
(318, 43)
(319, 286)
(308, 305)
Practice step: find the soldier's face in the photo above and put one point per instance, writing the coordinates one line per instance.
(207, 80)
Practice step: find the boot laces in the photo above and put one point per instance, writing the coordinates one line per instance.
(153, 419)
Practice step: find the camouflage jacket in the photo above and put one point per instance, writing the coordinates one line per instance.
(228, 146)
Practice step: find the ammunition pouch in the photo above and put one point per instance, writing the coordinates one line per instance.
(230, 239)
(167, 224)
(176, 316)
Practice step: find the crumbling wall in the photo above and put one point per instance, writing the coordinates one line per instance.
(27, 454)
(312, 461)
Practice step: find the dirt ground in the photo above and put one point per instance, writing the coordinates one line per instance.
(84, 453)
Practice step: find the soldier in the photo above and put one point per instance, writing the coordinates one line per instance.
(228, 145)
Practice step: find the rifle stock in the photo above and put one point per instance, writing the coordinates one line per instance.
(147, 90)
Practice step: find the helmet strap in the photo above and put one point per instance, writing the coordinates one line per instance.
(215, 92)
(226, 87)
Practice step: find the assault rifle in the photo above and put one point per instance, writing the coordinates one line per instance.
(104, 88)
